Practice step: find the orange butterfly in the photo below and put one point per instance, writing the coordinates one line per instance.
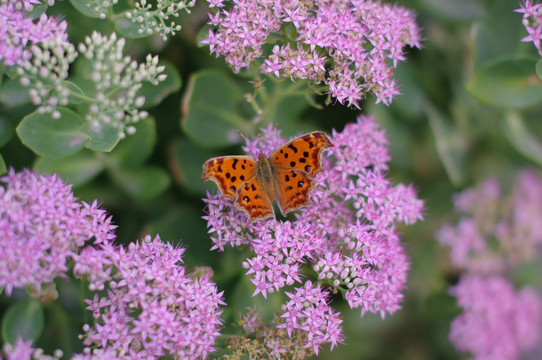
(284, 176)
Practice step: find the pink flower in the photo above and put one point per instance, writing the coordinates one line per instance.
(347, 235)
(152, 307)
(308, 310)
(497, 322)
(350, 46)
(495, 230)
(532, 20)
(18, 30)
(22, 350)
(42, 225)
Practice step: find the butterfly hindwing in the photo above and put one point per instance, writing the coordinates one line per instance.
(302, 153)
(229, 172)
(252, 199)
(292, 189)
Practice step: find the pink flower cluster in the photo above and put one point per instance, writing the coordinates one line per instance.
(18, 30)
(496, 233)
(42, 225)
(350, 46)
(497, 322)
(152, 307)
(308, 310)
(532, 20)
(348, 234)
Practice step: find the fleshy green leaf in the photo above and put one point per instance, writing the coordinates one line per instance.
(211, 115)
(143, 183)
(37, 10)
(538, 68)
(13, 93)
(77, 169)
(3, 168)
(84, 8)
(491, 39)
(129, 29)
(6, 131)
(522, 138)
(135, 149)
(507, 83)
(23, 319)
(53, 138)
(74, 89)
(284, 102)
(187, 162)
(154, 94)
(463, 10)
(450, 145)
(105, 139)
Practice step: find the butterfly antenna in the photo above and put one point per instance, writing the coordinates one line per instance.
(242, 135)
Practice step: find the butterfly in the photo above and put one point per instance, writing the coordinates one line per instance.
(285, 176)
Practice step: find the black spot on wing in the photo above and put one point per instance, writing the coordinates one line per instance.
(291, 146)
(292, 163)
(234, 165)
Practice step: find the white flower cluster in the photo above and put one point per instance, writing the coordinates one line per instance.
(152, 21)
(45, 73)
(117, 79)
(101, 7)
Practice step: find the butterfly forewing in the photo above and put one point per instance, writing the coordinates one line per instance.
(302, 153)
(229, 172)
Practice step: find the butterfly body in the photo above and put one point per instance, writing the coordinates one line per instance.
(285, 176)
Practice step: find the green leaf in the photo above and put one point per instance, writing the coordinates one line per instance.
(187, 161)
(135, 149)
(143, 183)
(492, 38)
(74, 90)
(37, 10)
(538, 68)
(211, 115)
(463, 10)
(84, 8)
(104, 139)
(154, 94)
(284, 101)
(450, 145)
(13, 93)
(522, 138)
(3, 167)
(53, 138)
(77, 169)
(507, 83)
(6, 131)
(23, 319)
(130, 29)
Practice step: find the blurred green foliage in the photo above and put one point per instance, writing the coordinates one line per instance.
(469, 109)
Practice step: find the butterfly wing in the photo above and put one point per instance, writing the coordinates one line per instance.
(229, 173)
(294, 163)
(302, 153)
(292, 188)
(253, 200)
